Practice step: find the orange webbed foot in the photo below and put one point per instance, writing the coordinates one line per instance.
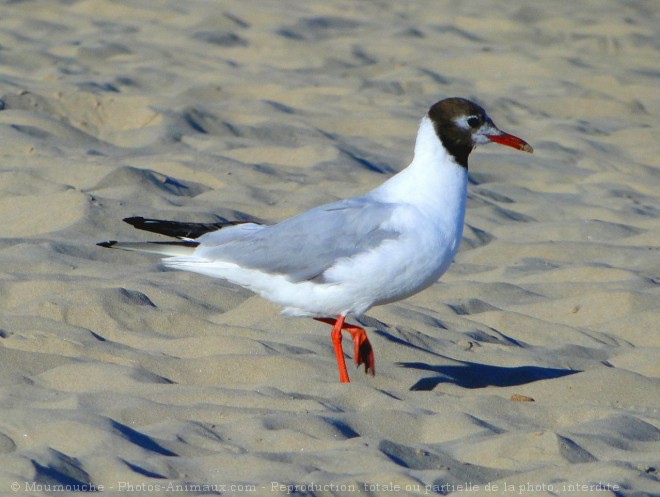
(363, 352)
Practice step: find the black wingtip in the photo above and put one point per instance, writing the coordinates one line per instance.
(135, 220)
(109, 244)
(176, 229)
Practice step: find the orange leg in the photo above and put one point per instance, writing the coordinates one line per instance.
(363, 353)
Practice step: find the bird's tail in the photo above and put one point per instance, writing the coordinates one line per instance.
(176, 249)
(185, 232)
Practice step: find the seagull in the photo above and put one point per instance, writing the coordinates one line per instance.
(347, 256)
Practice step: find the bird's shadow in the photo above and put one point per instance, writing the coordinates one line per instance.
(469, 374)
(473, 375)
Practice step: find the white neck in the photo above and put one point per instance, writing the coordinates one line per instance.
(434, 181)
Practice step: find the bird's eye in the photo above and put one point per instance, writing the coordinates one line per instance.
(473, 121)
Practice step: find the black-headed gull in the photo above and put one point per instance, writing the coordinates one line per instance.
(350, 255)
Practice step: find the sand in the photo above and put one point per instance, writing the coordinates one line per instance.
(531, 368)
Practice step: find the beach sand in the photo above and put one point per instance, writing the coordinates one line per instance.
(531, 368)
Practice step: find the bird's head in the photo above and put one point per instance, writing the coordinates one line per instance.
(461, 125)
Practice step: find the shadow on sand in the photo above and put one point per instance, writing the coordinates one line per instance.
(473, 375)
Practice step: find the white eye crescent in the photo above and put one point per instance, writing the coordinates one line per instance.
(468, 122)
(473, 121)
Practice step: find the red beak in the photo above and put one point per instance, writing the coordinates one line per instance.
(511, 141)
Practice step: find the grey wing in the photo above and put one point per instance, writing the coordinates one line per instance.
(304, 246)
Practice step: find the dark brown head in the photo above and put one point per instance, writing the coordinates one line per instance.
(461, 125)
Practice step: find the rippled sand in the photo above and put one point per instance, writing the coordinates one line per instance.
(531, 368)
